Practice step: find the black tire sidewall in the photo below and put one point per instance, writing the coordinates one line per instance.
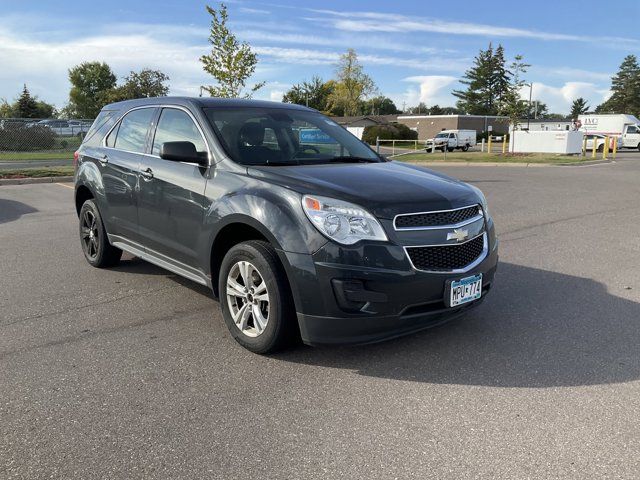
(107, 255)
(90, 205)
(274, 333)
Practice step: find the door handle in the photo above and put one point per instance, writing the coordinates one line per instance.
(104, 160)
(147, 173)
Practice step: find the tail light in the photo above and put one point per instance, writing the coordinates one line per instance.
(75, 158)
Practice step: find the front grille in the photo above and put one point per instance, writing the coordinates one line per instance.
(436, 219)
(446, 257)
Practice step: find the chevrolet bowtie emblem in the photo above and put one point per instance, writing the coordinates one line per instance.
(458, 234)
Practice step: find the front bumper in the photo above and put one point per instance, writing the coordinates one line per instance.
(385, 297)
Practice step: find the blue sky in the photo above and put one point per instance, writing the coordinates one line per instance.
(414, 50)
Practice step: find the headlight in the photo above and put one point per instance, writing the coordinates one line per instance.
(343, 222)
(483, 200)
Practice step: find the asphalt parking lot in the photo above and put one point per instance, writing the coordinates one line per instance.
(130, 372)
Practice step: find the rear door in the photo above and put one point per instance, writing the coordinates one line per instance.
(171, 199)
(120, 165)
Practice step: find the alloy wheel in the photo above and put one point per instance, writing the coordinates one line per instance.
(248, 298)
(89, 234)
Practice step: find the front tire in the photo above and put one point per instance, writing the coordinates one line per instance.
(255, 298)
(93, 238)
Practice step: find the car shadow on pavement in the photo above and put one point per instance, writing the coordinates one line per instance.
(11, 210)
(536, 329)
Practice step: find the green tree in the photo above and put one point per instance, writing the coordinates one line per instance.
(90, 82)
(450, 111)
(230, 62)
(26, 106)
(487, 82)
(352, 85)
(379, 105)
(6, 110)
(625, 89)
(421, 108)
(536, 109)
(578, 107)
(146, 83)
(511, 104)
(314, 93)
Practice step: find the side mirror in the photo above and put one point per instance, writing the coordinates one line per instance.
(182, 152)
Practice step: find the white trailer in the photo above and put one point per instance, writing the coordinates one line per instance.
(627, 127)
(452, 139)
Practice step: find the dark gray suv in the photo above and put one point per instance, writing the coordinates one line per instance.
(299, 228)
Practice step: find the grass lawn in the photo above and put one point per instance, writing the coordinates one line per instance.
(462, 157)
(37, 172)
(37, 155)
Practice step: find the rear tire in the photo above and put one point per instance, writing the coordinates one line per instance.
(465, 148)
(255, 298)
(93, 238)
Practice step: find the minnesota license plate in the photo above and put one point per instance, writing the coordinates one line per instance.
(465, 290)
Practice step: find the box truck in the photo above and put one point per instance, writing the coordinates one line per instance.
(627, 127)
(452, 139)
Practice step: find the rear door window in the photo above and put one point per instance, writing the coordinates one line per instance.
(131, 135)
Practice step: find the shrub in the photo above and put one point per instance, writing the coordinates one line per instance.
(392, 131)
(21, 138)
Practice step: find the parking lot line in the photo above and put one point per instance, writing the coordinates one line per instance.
(65, 185)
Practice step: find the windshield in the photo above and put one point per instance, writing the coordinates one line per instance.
(278, 136)
(442, 135)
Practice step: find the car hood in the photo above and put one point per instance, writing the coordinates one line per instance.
(385, 189)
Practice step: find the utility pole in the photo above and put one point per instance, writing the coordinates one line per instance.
(529, 109)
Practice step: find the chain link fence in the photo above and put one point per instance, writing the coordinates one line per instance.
(29, 139)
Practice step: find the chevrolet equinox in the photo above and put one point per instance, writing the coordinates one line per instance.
(300, 229)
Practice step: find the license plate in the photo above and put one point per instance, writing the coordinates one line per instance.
(465, 290)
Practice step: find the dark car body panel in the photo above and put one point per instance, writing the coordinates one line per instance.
(175, 217)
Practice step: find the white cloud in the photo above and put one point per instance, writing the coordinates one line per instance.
(43, 65)
(340, 41)
(430, 89)
(559, 99)
(324, 57)
(384, 22)
(575, 73)
(255, 11)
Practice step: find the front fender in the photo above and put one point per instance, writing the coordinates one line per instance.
(273, 210)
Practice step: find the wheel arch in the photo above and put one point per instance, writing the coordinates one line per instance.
(82, 194)
(236, 229)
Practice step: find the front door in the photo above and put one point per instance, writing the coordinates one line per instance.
(171, 198)
(631, 137)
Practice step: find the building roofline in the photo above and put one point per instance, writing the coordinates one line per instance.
(403, 117)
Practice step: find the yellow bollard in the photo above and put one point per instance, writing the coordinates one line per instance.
(504, 144)
(489, 147)
(615, 147)
(605, 148)
(593, 149)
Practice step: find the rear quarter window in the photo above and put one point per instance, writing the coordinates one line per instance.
(99, 128)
